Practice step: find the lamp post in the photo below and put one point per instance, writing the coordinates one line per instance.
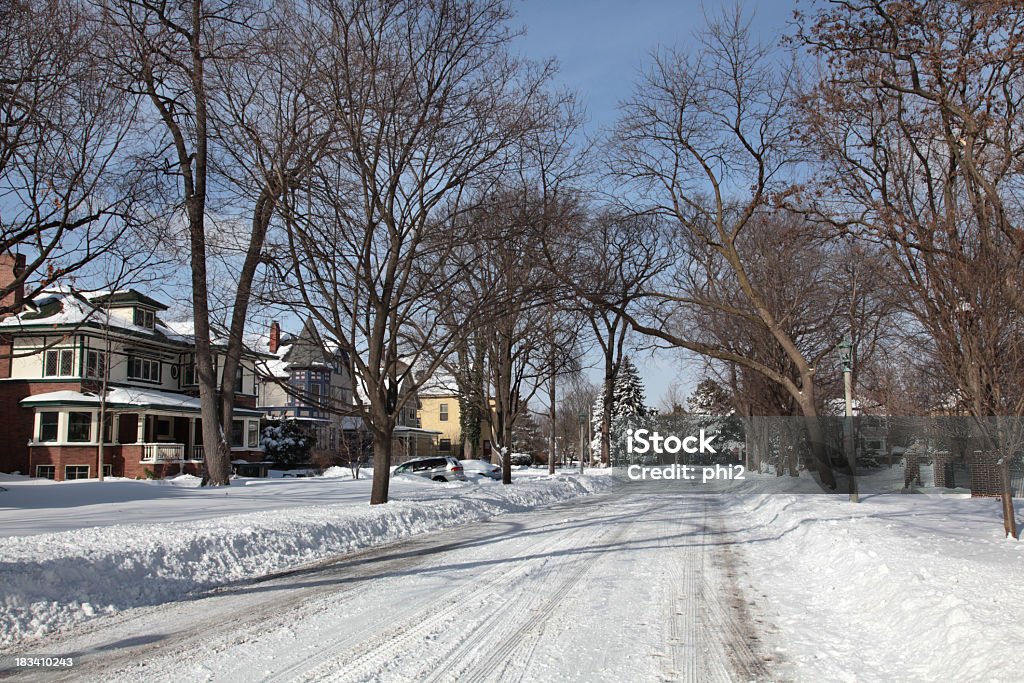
(846, 357)
(583, 422)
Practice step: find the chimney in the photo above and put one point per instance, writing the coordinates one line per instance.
(275, 336)
(12, 266)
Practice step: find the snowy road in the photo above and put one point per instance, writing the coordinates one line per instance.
(639, 584)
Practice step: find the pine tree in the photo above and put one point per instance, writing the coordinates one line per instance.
(630, 397)
(629, 405)
(714, 412)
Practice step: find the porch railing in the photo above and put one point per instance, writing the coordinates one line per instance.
(197, 452)
(163, 452)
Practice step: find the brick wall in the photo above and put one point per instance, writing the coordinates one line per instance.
(60, 456)
(245, 401)
(6, 349)
(941, 461)
(16, 422)
(134, 468)
(986, 478)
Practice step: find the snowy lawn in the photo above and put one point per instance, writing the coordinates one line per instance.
(75, 550)
(898, 587)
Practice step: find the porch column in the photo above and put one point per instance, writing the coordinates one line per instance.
(191, 445)
(115, 428)
(142, 429)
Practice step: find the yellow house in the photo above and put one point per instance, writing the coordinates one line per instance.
(439, 412)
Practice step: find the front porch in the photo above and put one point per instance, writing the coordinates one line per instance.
(164, 438)
(153, 435)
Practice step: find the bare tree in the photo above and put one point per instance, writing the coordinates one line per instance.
(707, 140)
(917, 123)
(607, 263)
(67, 184)
(274, 120)
(517, 292)
(429, 104)
(186, 61)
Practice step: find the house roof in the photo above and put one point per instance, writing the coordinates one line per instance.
(126, 397)
(306, 349)
(128, 296)
(60, 308)
(441, 383)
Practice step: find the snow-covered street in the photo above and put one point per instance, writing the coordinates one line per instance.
(550, 579)
(620, 586)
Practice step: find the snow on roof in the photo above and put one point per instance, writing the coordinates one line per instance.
(402, 429)
(441, 383)
(56, 306)
(124, 397)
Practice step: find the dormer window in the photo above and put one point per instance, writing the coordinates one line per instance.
(144, 318)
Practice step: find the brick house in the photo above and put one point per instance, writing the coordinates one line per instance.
(54, 355)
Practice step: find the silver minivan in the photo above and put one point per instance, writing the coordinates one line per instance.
(440, 468)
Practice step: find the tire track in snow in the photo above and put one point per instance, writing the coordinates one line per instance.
(499, 659)
(246, 612)
(368, 651)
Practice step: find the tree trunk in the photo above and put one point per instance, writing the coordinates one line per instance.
(381, 466)
(233, 355)
(1009, 514)
(506, 467)
(819, 450)
(608, 403)
(551, 416)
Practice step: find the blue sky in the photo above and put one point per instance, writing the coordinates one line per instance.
(600, 45)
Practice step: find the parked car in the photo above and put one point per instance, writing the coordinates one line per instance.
(522, 459)
(481, 467)
(437, 469)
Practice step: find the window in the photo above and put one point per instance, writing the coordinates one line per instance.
(189, 375)
(237, 433)
(444, 412)
(238, 380)
(79, 426)
(96, 364)
(144, 318)
(314, 394)
(145, 369)
(76, 472)
(59, 363)
(48, 426)
(254, 434)
(108, 471)
(46, 471)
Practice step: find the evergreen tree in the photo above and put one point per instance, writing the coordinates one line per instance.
(714, 413)
(526, 436)
(286, 442)
(630, 397)
(629, 406)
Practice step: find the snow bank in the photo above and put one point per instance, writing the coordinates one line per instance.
(51, 581)
(898, 587)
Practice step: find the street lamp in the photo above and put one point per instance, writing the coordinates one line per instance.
(846, 358)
